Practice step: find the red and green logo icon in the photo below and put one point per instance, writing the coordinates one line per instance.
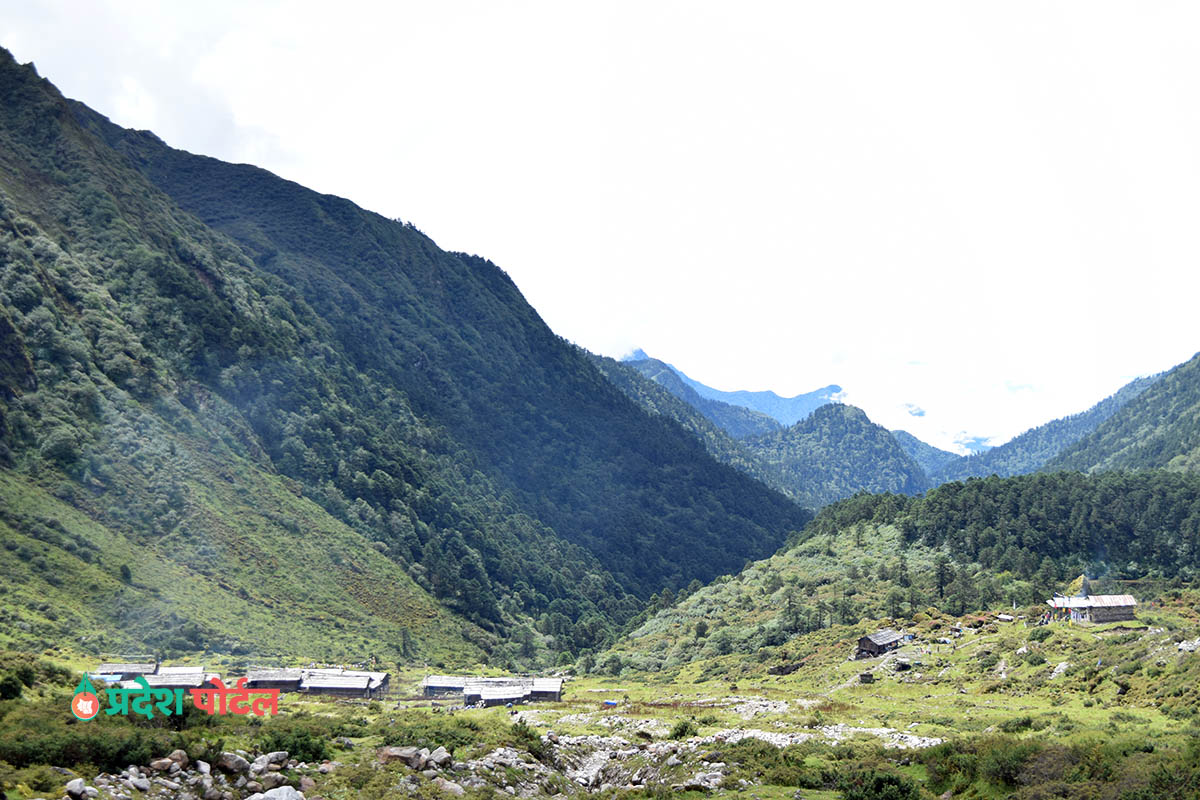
(85, 704)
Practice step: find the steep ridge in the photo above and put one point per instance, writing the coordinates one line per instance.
(929, 457)
(836, 452)
(1035, 448)
(1160, 428)
(411, 393)
(656, 398)
(784, 410)
(738, 421)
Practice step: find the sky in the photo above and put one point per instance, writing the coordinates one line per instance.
(975, 218)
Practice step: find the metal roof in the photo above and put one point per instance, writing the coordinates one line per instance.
(547, 684)
(179, 670)
(1093, 601)
(885, 636)
(446, 681)
(114, 668)
(180, 679)
(335, 682)
(274, 675)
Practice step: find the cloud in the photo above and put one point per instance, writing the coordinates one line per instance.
(914, 410)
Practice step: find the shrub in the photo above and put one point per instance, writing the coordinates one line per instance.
(302, 744)
(873, 784)
(1040, 634)
(683, 729)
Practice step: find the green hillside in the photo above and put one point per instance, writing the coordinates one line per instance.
(990, 543)
(834, 453)
(158, 307)
(1037, 447)
(1161, 428)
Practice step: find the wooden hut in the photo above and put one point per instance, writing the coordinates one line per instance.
(879, 642)
(546, 689)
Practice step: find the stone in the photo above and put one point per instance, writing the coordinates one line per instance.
(212, 793)
(204, 767)
(253, 786)
(141, 784)
(430, 773)
(161, 764)
(449, 787)
(282, 793)
(440, 758)
(409, 755)
(325, 769)
(272, 780)
(179, 757)
(233, 763)
(307, 784)
(172, 785)
(76, 788)
(91, 791)
(673, 760)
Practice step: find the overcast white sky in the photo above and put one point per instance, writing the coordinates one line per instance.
(986, 212)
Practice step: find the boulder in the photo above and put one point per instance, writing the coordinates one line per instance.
(440, 758)
(409, 755)
(253, 787)
(307, 784)
(141, 784)
(204, 767)
(272, 780)
(179, 757)
(76, 788)
(233, 763)
(449, 787)
(161, 764)
(282, 793)
(212, 793)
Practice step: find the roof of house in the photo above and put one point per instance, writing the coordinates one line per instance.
(274, 675)
(178, 670)
(458, 681)
(186, 680)
(547, 684)
(1093, 601)
(350, 681)
(119, 668)
(885, 636)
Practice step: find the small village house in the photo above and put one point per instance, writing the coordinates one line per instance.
(879, 642)
(1094, 608)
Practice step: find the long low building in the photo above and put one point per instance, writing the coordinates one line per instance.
(1096, 607)
(493, 691)
(335, 681)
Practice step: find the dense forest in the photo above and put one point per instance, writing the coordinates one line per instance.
(1160, 428)
(157, 304)
(836, 452)
(1128, 525)
(1033, 449)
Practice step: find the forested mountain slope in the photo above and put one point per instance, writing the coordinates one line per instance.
(1035, 448)
(985, 543)
(1161, 428)
(929, 457)
(836, 452)
(154, 300)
